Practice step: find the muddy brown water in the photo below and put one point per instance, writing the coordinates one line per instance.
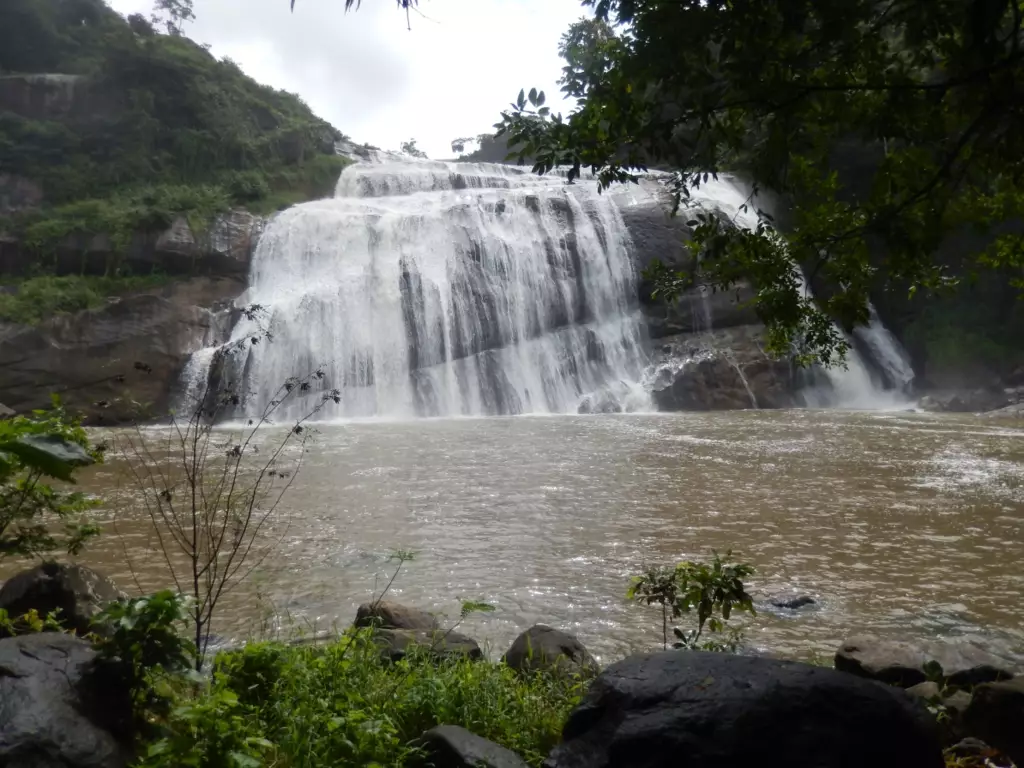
(902, 525)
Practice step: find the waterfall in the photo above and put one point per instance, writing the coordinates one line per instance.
(853, 384)
(430, 288)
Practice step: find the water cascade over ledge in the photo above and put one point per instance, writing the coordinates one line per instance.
(440, 289)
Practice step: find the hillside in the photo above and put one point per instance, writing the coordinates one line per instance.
(111, 130)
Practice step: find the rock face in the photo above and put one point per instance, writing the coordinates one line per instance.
(965, 401)
(18, 194)
(720, 370)
(708, 710)
(102, 360)
(449, 746)
(543, 648)
(903, 664)
(389, 615)
(79, 593)
(996, 715)
(59, 707)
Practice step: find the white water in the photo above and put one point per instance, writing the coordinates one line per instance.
(437, 289)
(853, 384)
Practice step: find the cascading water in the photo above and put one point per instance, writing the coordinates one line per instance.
(854, 385)
(438, 289)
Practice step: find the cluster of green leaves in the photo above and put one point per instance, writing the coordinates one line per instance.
(714, 590)
(341, 704)
(29, 622)
(145, 639)
(29, 301)
(36, 518)
(159, 128)
(884, 125)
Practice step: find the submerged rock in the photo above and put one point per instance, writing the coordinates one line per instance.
(903, 664)
(386, 614)
(544, 648)
(708, 710)
(996, 715)
(59, 706)
(792, 603)
(76, 592)
(449, 746)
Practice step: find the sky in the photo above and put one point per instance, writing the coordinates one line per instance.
(376, 81)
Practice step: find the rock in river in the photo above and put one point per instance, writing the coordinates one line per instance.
(710, 710)
(543, 648)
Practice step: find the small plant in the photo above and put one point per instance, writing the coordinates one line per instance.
(144, 638)
(35, 518)
(714, 589)
(11, 626)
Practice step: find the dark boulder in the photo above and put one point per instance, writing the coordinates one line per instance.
(996, 715)
(76, 592)
(396, 644)
(449, 746)
(388, 615)
(59, 706)
(708, 710)
(903, 664)
(544, 648)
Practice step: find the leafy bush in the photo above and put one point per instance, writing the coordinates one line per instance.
(714, 589)
(342, 704)
(35, 518)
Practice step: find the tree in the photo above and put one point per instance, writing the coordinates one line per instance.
(926, 98)
(173, 14)
(35, 518)
(409, 147)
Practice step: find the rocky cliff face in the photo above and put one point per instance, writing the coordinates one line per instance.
(116, 363)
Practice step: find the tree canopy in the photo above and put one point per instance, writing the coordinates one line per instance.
(925, 97)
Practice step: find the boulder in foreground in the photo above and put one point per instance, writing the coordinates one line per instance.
(449, 746)
(76, 592)
(59, 707)
(709, 710)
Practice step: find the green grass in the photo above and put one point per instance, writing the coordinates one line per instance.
(340, 704)
(38, 298)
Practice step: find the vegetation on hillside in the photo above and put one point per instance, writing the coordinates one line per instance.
(154, 127)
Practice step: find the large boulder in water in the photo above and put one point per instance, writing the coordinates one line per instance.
(543, 648)
(77, 593)
(708, 710)
(385, 614)
(59, 706)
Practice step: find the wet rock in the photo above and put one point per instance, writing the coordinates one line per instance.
(996, 715)
(449, 746)
(59, 706)
(705, 710)
(389, 615)
(792, 603)
(396, 644)
(599, 402)
(5, 412)
(543, 648)
(965, 401)
(902, 664)
(77, 592)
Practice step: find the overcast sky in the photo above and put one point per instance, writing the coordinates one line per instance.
(376, 81)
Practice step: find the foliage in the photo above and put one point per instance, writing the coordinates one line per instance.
(32, 300)
(141, 636)
(160, 128)
(884, 125)
(211, 493)
(173, 14)
(714, 589)
(11, 626)
(47, 444)
(409, 147)
(342, 704)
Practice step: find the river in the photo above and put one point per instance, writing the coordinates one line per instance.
(899, 524)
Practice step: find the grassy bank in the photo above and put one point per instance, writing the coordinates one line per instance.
(32, 300)
(341, 704)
